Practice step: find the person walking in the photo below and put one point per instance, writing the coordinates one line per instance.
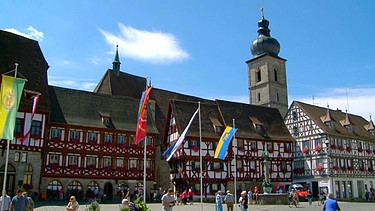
(309, 196)
(30, 202)
(229, 200)
(331, 204)
(6, 201)
(19, 202)
(219, 201)
(73, 204)
(243, 201)
(167, 200)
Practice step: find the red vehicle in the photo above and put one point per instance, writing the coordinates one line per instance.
(301, 191)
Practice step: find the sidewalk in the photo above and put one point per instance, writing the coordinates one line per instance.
(115, 207)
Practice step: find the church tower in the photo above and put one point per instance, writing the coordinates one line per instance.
(116, 63)
(267, 72)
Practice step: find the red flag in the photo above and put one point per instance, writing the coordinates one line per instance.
(35, 103)
(140, 133)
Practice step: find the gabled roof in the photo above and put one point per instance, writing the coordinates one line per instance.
(31, 65)
(357, 122)
(225, 112)
(246, 115)
(184, 110)
(123, 85)
(82, 108)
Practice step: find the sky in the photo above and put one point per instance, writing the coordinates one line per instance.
(200, 47)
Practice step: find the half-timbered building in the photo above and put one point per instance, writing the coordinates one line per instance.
(89, 145)
(260, 129)
(334, 150)
(24, 164)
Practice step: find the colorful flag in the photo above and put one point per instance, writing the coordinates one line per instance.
(173, 148)
(11, 92)
(140, 133)
(222, 146)
(35, 103)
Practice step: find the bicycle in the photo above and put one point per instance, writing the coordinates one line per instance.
(293, 202)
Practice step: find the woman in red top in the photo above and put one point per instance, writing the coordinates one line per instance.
(191, 194)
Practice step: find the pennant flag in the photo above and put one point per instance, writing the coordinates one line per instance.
(222, 146)
(11, 92)
(35, 103)
(173, 148)
(140, 133)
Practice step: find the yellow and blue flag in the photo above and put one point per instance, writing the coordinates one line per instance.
(11, 92)
(222, 146)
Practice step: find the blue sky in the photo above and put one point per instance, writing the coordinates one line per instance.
(200, 47)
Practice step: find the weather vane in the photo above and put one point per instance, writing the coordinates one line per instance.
(261, 8)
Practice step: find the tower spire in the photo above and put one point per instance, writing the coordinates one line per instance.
(116, 63)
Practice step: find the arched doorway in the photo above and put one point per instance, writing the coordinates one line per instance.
(108, 191)
(11, 175)
(53, 190)
(75, 189)
(93, 190)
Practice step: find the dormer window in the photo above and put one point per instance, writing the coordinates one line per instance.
(106, 120)
(347, 123)
(218, 127)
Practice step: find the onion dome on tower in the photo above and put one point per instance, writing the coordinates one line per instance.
(264, 44)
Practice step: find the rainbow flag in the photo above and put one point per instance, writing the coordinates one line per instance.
(11, 92)
(140, 132)
(222, 146)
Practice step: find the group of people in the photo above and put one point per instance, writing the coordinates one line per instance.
(229, 200)
(19, 202)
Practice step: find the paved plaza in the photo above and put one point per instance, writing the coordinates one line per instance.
(345, 206)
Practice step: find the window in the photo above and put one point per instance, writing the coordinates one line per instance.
(55, 134)
(121, 139)
(106, 120)
(195, 165)
(277, 97)
(287, 147)
(218, 166)
(107, 138)
(275, 74)
(283, 167)
(106, 162)
(53, 159)
(120, 162)
(72, 160)
(27, 177)
(91, 161)
(240, 144)
(36, 129)
(294, 116)
(253, 145)
(258, 97)
(258, 75)
(239, 164)
(295, 130)
(132, 163)
(92, 137)
(18, 129)
(74, 135)
(270, 147)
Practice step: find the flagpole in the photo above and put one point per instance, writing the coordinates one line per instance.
(200, 154)
(145, 156)
(235, 167)
(7, 156)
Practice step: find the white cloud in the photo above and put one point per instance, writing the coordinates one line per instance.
(358, 101)
(72, 83)
(30, 33)
(154, 47)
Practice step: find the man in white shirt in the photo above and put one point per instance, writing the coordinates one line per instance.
(6, 201)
